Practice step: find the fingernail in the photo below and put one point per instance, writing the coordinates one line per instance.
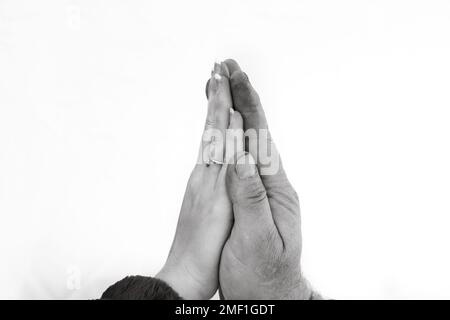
(217, 70)
(213, 85)
(231, 111)
(246, 167)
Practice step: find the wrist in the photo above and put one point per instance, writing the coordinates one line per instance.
(182, 282)
(298, 289)
(303, 290)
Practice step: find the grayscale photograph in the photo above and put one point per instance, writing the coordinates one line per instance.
(213, 151)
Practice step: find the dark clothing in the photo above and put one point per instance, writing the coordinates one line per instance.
(148, 288)
(140, 288)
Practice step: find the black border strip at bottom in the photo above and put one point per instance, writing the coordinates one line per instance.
(215, 309)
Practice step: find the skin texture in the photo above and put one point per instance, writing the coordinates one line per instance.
(261, 258)
(192, 267)
(236, 227)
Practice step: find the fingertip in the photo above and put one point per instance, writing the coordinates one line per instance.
(225, 70)
(239, 79)
(218, 71)
(232, 66)
(246, 100)
(239, 75)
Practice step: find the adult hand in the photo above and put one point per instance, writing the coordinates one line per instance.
(192, 268)
(261, 258)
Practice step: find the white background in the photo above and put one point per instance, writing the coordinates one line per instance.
(102, 107)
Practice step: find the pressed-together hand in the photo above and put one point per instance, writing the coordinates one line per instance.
(239, 225)
(261, 258)
(192, 267)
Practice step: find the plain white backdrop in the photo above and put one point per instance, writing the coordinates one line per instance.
(102, 107)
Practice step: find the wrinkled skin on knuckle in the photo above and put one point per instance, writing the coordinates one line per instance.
(252, 195)
(210, 123)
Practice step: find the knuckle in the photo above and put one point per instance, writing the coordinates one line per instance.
(210, 123)
(241, 84)
(252, 193)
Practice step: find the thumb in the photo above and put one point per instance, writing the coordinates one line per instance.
(248, 195)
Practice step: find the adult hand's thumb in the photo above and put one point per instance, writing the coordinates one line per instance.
(247, 193)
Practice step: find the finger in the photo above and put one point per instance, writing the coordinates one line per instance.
(261, 146)
(234, 143)
(245, 98)
(224, 72)
(235, 136)
(217, 119)
(251, 207)
(219, 99)
(232, 66)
